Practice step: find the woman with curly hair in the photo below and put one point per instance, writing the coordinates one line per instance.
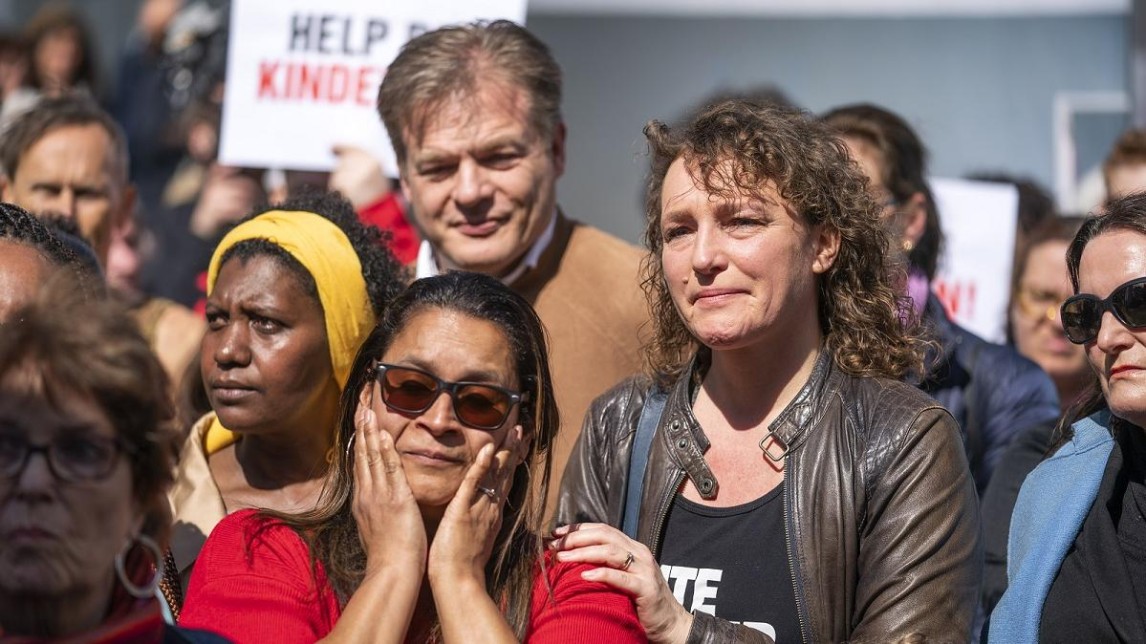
(291, 294)
(775, 478)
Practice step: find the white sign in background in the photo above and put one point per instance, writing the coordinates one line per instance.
(303, 75)
(974, 277)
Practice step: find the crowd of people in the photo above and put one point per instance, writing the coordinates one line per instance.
(325, 407)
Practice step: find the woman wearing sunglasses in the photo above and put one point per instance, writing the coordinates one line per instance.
(430, 526)
(1077, 554)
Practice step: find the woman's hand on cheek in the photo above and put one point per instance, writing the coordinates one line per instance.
(464, 540)
(629, 566)
(389, 521)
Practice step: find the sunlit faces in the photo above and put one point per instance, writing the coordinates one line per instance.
(264, 358)
(58, 538)
(1035, 323)
(23, 270)
(1125, 179)
(1118, 355)
(436, 448)
(740, 270)
(71, 170)
(481, 181)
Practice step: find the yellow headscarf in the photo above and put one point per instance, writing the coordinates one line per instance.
(325, 251)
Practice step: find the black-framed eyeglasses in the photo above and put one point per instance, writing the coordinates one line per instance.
(477, 405)
(72, 457)
(1082, 313)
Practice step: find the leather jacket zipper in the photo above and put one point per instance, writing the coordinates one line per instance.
(789, 530)
(662, 513)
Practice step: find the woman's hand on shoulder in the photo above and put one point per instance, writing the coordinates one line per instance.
(389, 521)
(464, 540)
(627, 565)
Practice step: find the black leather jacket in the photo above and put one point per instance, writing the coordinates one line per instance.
(881, 514)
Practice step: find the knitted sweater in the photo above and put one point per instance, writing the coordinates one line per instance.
(254, 582)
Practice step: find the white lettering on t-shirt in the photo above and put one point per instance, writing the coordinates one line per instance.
(706, 583)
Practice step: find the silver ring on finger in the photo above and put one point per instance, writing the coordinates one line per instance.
(488, 491)
(629, 559)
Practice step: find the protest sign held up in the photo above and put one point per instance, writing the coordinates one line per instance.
(973, 281)
(297, 62)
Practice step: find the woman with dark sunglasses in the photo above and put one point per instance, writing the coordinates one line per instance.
(430, 526)
(1077, 564)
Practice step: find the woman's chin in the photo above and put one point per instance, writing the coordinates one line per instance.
(34, 576)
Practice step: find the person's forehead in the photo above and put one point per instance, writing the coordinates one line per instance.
(492, 108)
(870, 161)
(68, 139)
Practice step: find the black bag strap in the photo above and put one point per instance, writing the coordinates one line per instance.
(639, 458)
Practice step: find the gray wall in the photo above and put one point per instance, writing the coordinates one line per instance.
(979, 90)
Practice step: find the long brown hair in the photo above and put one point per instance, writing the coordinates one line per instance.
(331, 530)
(861, 314)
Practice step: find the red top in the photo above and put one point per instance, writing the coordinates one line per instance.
(253, 582)
(388, 214)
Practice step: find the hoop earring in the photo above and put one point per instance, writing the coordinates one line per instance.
(139, 592)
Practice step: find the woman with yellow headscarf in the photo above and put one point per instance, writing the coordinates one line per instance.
(291, 294)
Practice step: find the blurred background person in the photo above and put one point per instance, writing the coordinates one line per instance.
(1077, 565)
(86, 455)
(1124, 171)
(1039, 286)
(60, 52)
(994, 393)
(432, 525)
(292, 293)
(143, 108)
(14, 93)
(68, 158)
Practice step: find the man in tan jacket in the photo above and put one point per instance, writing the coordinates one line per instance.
(474, 114)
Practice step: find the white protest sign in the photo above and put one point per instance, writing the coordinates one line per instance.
(303, 75)
(974, 277)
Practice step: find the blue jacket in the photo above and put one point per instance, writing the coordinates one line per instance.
(994, 393)
(1052, 505)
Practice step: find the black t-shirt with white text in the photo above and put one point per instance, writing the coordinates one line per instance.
(733, 563)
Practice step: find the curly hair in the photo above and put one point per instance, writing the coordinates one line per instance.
(22, 227)
(58, 248)
(384, 276)
(867, 326)
(331, 530)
